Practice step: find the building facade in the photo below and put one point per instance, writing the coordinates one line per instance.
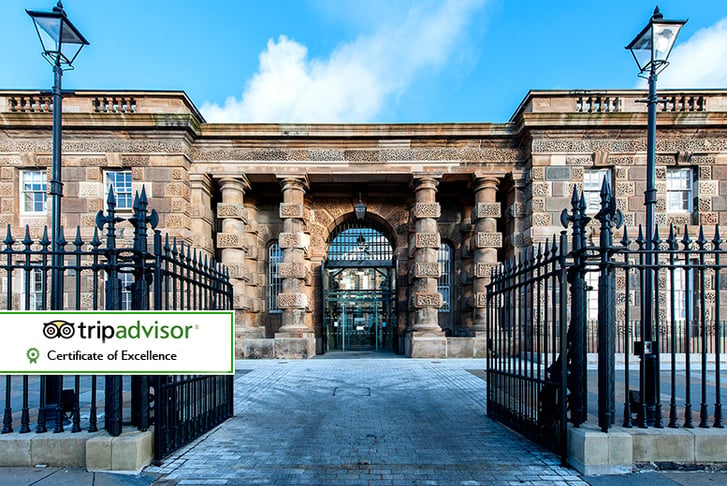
(359, 236)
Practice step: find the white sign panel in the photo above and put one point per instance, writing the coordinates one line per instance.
(117, 342)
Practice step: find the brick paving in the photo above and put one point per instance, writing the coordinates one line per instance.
(375, 421)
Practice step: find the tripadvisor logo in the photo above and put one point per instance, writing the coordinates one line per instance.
(104, 332)
(58, 328)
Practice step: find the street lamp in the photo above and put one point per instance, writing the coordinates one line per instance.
(61, 42)
(651, 48)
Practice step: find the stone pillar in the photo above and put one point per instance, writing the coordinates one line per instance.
(231, 241)
(295, 338)
(255, 268)
(426, 339)
(203, 218)
(485, 243)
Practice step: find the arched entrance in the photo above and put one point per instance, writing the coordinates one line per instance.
(359, 286)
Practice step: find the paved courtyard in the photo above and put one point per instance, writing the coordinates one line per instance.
(371, 420)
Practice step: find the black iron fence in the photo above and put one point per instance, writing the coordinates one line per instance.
(659, 303)
(102, 275)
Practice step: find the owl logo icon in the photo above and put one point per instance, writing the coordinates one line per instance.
(58, 328)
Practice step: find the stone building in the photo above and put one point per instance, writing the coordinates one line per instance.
(353, 236)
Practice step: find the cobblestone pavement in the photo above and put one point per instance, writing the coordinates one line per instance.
(362, 421)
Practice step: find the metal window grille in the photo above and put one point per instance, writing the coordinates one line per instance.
(592, 182)
(275, 283)
(444, 257)
(33, 187)
(358, 242)
(679, 190)
(121, 182)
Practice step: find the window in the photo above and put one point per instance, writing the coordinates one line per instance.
(592, 296)
(275, 283)
(121, 182)
(683, 278)
(125, 282)
(444, 257)
(34, 295)
(33, 190)
(679, 190)
(592, 182)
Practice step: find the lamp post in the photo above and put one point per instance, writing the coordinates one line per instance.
(61, 42)
(651, 48)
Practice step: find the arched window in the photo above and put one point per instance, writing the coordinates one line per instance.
(275, 283)
(444, 257)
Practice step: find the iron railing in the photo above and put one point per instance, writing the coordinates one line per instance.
(532, 300)
(171, 276)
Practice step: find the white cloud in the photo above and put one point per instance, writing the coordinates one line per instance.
(700, 62)
(356, 81)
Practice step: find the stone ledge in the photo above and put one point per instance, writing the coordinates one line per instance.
(31, 449)
(593, 452)
(131, 451)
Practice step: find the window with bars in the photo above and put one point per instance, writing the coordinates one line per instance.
(33, 191)
(120, 180)
(682, 290)
(592, 182)
(679, 190)
(444, 257)
(356, 242)
(125, 282)
(591, 296)
(275, 283)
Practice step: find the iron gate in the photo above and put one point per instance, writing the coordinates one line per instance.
(538, 339)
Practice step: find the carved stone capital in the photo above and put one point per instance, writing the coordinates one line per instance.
(293, 182)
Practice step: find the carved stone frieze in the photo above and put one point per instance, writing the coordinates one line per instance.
(292, 300)
(708, 188)
(427, 269)
(298, 240)
(484, 270)
(488, 240)
(542, 219)
(624, 189)
(230, 240)
(480, 300)
(427, 210)
(427, 240)
(540, 189)
(231, 210)
(487, 210)
(423, 299)
(292, 270)
(239, 271)
(292, 210)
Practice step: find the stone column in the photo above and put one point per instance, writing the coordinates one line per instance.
(255, 268)
(294, 339)
(426, 339)
(203, 218)
(231, 241)
(485, 243)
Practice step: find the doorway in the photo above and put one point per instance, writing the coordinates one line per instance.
(359, 290)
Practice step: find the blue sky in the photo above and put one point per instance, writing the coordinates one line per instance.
(362, 61)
